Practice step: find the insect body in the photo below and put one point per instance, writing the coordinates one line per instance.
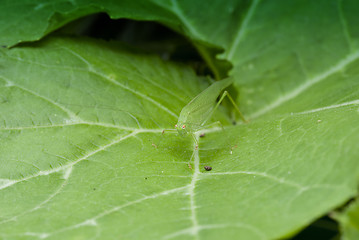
(200, 109)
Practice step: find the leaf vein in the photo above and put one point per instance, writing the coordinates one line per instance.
(355, 102)
(82, 123)
(145, 97)
(307, 84)
(344, 24)
(92, 221)
(7, 182)
(185, 21)
(188, 231)
(240, 34)
(72, 115)
(274, 178)
(66, 176)
(191, 190)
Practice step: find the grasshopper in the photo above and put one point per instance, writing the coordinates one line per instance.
(199, 110)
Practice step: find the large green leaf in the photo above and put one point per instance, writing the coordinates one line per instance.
(70, 170)
(304, 57)
(66, 160)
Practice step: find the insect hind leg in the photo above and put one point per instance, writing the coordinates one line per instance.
(225, 93)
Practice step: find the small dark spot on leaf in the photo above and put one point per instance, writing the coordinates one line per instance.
(145, 178)
(94, 189)
(207, 168)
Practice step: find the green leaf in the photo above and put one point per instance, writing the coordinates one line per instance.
(75, 171)
(31, 20)
(284, 173)
(295, 62)
(70, 165)
(349, 221)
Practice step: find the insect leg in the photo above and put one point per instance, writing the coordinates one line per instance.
(234, 104)
(195, 149)
(195, 140)
(169, 130)
(225, 93)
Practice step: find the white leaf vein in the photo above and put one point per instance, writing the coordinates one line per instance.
(9, 182)
(145, 97)
(242, 30)
(340, 66)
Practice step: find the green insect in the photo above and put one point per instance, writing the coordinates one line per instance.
(199, 110)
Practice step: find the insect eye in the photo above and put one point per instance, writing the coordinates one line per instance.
(184, 126)
(175, 125)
